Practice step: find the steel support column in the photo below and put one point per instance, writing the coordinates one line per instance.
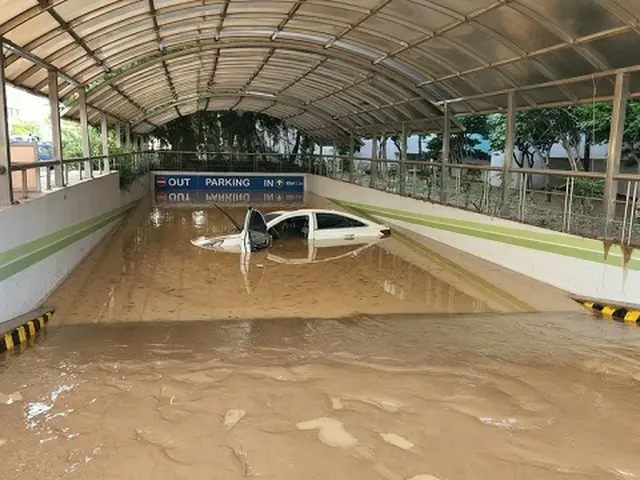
(374, 161)
(84, 130)
(313, 167)
(614, 154)
(104, 136)
(118, 135)
(133, 142)
(509, 146)
(127, 136)
(352, 167)
(403, 160)
(446, 153)
(56, 135)
(334, 161)
(321, 165)
(6, 188)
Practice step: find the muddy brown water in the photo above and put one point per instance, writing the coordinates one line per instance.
(162, 363)
(153, 273)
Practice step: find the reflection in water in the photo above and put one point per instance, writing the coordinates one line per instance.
(199, 218)
(155, 273)
(535, 396)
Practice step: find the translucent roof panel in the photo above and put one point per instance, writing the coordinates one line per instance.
(334, 67)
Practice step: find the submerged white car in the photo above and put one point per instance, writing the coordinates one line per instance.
(314, 225)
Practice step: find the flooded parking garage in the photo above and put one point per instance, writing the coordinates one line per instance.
(157, 274)
(167, 361)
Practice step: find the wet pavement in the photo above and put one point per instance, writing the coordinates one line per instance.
(164, 361)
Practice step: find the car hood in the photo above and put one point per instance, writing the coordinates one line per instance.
(221, 243)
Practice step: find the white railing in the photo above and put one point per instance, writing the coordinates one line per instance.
(35, 178)
(561, 200)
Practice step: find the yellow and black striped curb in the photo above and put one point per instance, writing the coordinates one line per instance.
(22, 333)
(624, 314)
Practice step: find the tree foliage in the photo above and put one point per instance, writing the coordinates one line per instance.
(25, 128)
(72, 140)
(71, 137)
(232, 131)
(463, 145)
(533, 136)
(596, 123)
(538, 130)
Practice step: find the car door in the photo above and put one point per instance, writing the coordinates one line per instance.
(333, 226)
(254, 236)
(290, 227)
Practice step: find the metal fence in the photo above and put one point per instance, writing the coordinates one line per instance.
(561, 200)
(565, 201)
(34, 178)
(231, 161)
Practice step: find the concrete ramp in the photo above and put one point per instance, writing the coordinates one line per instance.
(147, 270)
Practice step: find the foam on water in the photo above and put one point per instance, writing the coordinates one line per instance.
(330, 432)
(397, 441)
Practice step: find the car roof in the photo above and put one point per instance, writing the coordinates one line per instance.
(302, 211)
(310, 210)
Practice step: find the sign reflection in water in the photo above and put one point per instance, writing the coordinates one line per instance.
(228, 198)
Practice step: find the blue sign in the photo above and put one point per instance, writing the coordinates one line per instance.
(230, 183)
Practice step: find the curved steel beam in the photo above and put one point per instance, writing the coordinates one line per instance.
(287, 101)
(154, 81)
(389, 74)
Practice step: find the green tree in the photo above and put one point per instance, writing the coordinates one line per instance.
(233, 132)
(596, 124)
(463, 145)
(533, 136)
(24, 128)
(72, 140)
(538, 130)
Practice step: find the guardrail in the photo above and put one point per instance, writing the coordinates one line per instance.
(561, 200)
(232, 161)
(55, 174)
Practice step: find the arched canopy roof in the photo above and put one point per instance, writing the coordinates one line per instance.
(329, 67)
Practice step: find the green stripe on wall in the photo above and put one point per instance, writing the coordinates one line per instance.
(19, 258)
(567, 245)
(24, 249)
(476, 281)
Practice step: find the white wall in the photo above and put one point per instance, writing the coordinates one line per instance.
(392, 152)
(31, 231)
(584, 278)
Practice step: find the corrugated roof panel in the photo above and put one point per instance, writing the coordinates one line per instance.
(334, 55)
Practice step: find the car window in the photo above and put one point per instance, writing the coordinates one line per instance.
(45, 152)
(257, 223)
(332, 220)
(292, 227)
(270, 216)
